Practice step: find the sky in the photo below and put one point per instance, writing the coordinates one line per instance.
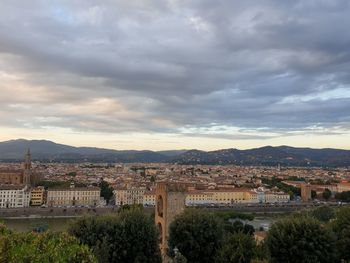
(171, 74)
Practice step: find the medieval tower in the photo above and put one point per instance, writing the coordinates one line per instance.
(170, 201)
(27, 168)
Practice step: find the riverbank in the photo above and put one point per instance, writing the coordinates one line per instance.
(55, 212)
(57, 224)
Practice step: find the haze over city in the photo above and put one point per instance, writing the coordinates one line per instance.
(176, 74)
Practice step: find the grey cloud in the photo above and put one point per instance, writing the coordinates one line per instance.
(187, 63)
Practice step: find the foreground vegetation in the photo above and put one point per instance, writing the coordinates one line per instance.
(318, 236)
(42, 248)
(130, 236)
(322, 235)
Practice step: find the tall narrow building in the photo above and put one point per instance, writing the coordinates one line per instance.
(27, 168)
(28, 160)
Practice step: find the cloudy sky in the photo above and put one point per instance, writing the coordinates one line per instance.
(176, 74)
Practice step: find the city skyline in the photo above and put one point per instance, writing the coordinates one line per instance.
(161, 75)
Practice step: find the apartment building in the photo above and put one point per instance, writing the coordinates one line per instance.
(12, 196)
(195, 196)
(73, 196)
(266, 196)
(131, 196)
(149, 198)
(231, 196)
(37, 196)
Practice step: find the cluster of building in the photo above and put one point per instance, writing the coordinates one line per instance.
(135, 183)
(16, 190)
(124, 175)
(197, 197)
(307, 188)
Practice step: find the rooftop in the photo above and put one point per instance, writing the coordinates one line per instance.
(11, 187)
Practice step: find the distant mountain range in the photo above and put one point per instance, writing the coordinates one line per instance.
(43, 150)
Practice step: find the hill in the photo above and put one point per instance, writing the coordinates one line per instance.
(44, 150)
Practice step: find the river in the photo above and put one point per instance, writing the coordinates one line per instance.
(28, 224)
(61, 224)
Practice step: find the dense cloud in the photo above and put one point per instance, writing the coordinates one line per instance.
(231, 69)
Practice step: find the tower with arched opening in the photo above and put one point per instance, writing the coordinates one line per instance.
(170, 201)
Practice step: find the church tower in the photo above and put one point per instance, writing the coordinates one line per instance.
(28, 160)
(27, 168)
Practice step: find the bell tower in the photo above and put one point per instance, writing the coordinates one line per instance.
(28, 160)
(27, 168)
(170, 201)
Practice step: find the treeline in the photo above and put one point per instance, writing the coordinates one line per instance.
(322, 235)
(276, 182)
(42, 248)
(195, 236)
(129, 236)
(343, 196)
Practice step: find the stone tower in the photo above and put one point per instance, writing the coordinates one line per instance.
(27, 168)
(305, 192)
(170, 201)
(28, 160)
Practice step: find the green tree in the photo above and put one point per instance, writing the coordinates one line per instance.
(238, 226)
(300, 239)
(327, 194)
(179, 258)
(341, 227)
(313, 194)
(197, 234)
(323, 213)
(106, 190)
(276, 182)
(128, 237)
(343, 196)
(342, 219)
(43, 248)
(72, 174)
(343, 244)
(237, 248)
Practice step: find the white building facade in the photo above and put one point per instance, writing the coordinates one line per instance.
(14, 196)
(73, 196)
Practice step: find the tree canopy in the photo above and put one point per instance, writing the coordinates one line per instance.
(343, 196)
(323, 213)
(300, 239)
(237, 248)
(42, 248)
(276, 182)
(237, 226)
(128, 237)
(327, 194)
(341, 227)
(197, 235)
(106, 190)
